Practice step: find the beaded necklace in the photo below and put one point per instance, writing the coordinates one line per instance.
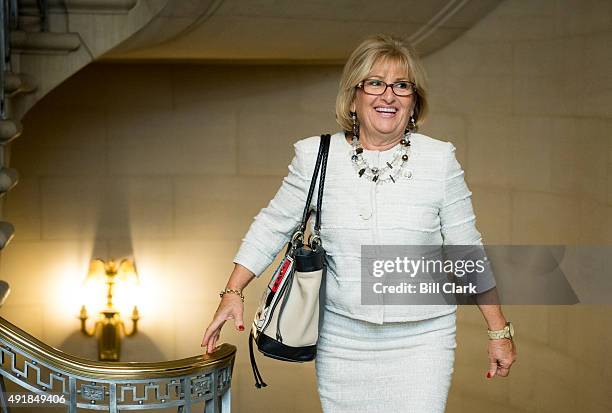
(388, 173)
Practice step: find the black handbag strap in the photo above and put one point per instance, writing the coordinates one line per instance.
(317, 226)
(320, 165)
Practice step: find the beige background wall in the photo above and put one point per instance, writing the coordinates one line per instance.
(169, 163)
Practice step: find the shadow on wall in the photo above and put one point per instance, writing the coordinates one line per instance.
(137, 348)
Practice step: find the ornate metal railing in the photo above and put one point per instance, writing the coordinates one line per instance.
(62, 379)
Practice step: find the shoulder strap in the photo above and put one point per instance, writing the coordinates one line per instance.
(327, 139)
(320, 165)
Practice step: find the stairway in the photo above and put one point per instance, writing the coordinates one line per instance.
(47, 41)
(43, 43)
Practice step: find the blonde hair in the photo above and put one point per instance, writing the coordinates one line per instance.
(364, 57)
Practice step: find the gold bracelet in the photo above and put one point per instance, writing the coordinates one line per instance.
(229, 290)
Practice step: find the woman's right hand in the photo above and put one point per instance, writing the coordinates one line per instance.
(231, 307)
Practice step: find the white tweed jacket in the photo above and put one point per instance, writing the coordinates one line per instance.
(429, 205)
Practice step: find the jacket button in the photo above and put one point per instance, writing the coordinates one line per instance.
(364, 213)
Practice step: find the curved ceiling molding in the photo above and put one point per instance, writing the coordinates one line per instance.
(437, 21)
(299, 30)
(177, 18)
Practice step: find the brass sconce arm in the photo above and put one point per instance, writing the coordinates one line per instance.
(83, 317)
(135, 318)
(109, 329)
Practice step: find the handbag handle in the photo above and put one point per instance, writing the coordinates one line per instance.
(320, 165)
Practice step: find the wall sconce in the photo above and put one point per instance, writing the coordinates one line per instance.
(109, 328)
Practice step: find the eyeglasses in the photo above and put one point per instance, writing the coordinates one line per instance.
(378, 87)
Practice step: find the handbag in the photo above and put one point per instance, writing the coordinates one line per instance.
(286, 323)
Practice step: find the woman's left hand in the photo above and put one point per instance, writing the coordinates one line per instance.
(502, 353)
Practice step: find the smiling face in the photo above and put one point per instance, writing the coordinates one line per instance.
(383, 118)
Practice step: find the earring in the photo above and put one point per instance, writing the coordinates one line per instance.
(355, 125)
(411, 127)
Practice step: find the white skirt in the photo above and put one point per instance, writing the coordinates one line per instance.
(394, 367)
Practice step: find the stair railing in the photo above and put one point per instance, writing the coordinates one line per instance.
(61, 379)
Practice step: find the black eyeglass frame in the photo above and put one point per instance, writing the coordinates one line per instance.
(361, 85)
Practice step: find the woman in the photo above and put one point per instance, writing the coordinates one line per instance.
(385, 184)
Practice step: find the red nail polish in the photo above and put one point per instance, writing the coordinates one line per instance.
(241, 328)
(488, 374)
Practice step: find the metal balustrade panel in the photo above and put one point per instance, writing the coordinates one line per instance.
(208, 384)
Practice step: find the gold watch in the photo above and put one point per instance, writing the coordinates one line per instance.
(506, 332)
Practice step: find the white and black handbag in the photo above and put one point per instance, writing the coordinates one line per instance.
(286, 324)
